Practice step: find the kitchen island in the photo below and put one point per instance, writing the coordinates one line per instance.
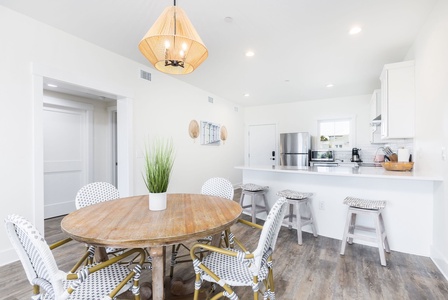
(410, 199)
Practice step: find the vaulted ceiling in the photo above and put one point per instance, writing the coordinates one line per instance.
(300, 46)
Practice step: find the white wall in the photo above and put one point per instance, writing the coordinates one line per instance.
(304, 115)
(431, 62)
(163, 107)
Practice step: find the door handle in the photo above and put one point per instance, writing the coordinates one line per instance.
(273, 153)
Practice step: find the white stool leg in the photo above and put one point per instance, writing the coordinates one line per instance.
(385, 241)
(380, 239)
(352, 226)
(313, 227)
(254, 207)
(242, 198)
(298, 222)
(291, 214)
(346, 231)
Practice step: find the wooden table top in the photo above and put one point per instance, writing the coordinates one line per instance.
(128, 222)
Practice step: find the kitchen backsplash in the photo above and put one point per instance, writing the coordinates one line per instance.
(368, 150)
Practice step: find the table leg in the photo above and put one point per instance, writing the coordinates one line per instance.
(158, 274)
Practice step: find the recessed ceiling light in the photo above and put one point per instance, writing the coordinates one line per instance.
(228, 19)
(246, 95)
(250, 53)
(52, 85)
(355, 30)
(330, 85)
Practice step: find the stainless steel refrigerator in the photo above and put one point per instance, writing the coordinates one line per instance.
(294, 149)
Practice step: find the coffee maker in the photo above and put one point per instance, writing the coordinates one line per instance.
(355, 155)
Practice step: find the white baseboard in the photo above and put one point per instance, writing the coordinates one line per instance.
(8, 256)
(440, 261)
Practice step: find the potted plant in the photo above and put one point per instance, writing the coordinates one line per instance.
(159, 160)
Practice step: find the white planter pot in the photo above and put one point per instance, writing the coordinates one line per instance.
(157, 201)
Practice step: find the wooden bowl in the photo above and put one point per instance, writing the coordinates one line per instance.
(397, 166)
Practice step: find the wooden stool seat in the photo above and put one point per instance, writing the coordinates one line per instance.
(371, 208)
(255, 191)
(296, 200)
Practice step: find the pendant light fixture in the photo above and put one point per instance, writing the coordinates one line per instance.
(172, 44)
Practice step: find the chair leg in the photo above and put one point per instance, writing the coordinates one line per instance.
(352, 227)
(346, 231)
(386, 242)
(254, 208)
(242, 198)
(313, 227)
(266, 205)
(380, 240)
(298, 222)
(290, 216)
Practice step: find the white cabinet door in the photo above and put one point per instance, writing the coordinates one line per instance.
(398, 100)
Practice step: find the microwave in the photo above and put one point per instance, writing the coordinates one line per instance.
(322, 155)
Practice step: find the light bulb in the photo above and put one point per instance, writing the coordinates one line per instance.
(167, 44)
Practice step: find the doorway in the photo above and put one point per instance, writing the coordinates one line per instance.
(262, 146)
(84, 82)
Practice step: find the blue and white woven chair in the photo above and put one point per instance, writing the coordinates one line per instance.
(95, 192)
(215, 186)
(230, 267)
(97, 281)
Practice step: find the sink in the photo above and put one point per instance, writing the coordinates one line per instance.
(369, 164)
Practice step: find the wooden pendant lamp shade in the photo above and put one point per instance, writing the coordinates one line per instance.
(172, 44)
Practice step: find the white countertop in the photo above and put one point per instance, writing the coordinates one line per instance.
(368, 172)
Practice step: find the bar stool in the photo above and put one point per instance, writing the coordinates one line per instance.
(371, 208)
(254, 191)
(297, 200)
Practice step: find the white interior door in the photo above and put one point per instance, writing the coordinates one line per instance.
(262, 145)
(67, 153)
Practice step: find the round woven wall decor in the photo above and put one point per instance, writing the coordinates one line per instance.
(193, 129)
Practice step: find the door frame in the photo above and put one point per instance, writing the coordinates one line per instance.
(124, 130)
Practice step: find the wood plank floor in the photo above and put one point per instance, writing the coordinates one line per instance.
(314, 270)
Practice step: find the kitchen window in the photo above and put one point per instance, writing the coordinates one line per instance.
(335, 134)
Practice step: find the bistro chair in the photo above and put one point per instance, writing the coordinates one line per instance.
(95, 192)
(231, 267)
(215, 186)
(105, 280)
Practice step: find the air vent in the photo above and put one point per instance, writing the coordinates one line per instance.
(145, 75)
(210, 99)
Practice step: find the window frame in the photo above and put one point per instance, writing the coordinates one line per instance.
(352, 134)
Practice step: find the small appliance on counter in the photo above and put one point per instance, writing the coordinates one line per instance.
(355, 155)
(323, 158)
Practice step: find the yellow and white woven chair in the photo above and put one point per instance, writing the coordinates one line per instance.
(215, 186)
(104, 281)
(230, 267)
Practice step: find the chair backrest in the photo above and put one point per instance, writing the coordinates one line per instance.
(35, 254)
(269, 233)
(219, 187)
(95, 192)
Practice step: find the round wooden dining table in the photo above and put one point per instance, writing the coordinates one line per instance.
(128, 223)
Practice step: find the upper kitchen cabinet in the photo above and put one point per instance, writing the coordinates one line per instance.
(398, 100)
(375, 105)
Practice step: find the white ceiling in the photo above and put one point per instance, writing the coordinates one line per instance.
(300, 45)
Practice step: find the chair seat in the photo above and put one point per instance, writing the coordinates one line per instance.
(365, 204)
(98, 284)
(253, 187)
(230, 269)
(290, 194)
